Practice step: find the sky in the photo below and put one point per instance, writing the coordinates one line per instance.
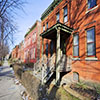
(24, 20)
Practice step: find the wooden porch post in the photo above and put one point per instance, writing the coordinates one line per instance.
(58, 58)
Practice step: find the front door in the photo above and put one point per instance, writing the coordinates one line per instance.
(63, 46)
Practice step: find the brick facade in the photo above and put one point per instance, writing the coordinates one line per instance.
(32, 43)
(14, 53)
(80, 18)
(21, 52)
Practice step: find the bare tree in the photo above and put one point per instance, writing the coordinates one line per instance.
(7, 25)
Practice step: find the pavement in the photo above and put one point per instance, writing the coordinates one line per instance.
(8, 89)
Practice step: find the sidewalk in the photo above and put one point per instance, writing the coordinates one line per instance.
(8, 89)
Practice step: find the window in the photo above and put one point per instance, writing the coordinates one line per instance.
(91, 3)
(31, 53)
(75, 76)
(65, 14)
(34, 37)
(46, 49)
(43, 28)
(34, 53)
(76, 45)
(29, 41)
(51, 48)
(47, 25)
(91, 42)
(57, 17)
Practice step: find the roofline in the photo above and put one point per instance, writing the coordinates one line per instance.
(50, 8)
(33, 26)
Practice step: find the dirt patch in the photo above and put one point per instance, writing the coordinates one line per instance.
(86, 91)
(55, 93)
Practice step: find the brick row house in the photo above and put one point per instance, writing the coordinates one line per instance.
(32, 43)
(14, 53)
(29, 49)
(17, 53)
(70, 32)
(21, 52)
(69, 41)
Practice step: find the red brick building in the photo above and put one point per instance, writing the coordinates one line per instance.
(32, 43)
(21, 52)
(14, 53)
(71, 28)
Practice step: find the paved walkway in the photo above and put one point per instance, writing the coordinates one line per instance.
(8, 89)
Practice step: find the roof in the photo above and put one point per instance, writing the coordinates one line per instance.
(50, 8)
(52, 30)
(31, 28)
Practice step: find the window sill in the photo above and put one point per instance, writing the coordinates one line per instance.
(91, 9)
(91, 59)
(75, 58)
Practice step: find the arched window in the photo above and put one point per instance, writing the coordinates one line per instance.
(75, 76)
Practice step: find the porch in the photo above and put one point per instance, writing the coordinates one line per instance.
(58, 62)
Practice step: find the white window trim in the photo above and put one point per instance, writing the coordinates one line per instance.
(91, 9)
(91, 58)
(75, 58)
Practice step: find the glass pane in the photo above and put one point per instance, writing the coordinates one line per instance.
(47, 24)
(76, 39)
(91, 3)
(58, 17)
(76, 51)
(65, 19)
(43, 28)
(91, 49)
(65, 11)
(90, 35)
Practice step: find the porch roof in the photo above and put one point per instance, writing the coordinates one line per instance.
(51, 32)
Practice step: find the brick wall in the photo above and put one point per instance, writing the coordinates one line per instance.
(80, 19)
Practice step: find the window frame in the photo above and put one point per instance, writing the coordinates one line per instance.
(91, 42)
(76, 45)
(65, 15)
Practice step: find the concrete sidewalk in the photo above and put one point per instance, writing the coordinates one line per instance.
(8, 89)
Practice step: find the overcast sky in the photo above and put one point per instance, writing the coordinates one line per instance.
(33, 10)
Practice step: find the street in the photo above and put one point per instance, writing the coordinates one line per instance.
(8, 89)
